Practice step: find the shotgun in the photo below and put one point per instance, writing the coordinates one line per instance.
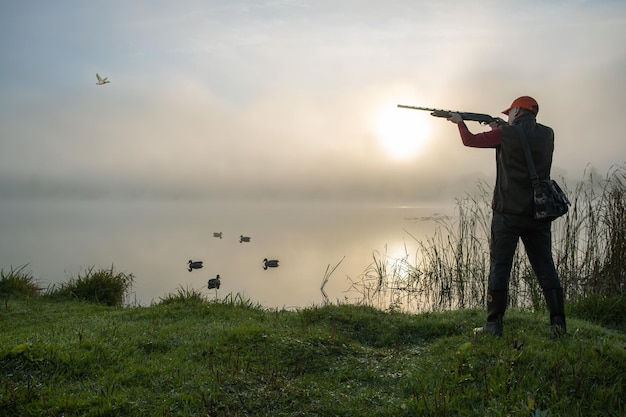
(481, 118)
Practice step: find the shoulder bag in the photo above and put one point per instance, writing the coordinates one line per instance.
(550, 200)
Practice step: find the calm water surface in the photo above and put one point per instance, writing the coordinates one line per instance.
(155, 240)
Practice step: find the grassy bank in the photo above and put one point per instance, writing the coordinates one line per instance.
(190, 357)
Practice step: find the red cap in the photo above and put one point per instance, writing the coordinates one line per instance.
(524, 102)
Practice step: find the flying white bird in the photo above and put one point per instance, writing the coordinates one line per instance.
(102, 81)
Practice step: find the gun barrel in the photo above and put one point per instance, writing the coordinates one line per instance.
(416, 108)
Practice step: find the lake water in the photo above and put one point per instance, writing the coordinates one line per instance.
(155, 240)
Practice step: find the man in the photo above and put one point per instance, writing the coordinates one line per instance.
(513, 210)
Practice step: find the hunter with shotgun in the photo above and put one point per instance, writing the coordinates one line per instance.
(513, 204)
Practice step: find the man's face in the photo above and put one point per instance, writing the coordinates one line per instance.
(513, 114)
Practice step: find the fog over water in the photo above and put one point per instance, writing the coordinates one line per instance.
(270, 104)
(155, 240)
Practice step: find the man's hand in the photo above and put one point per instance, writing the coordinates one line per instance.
(455, 118)
(497, 123)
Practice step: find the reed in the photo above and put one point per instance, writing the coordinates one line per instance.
(590, 241)
(450, 269)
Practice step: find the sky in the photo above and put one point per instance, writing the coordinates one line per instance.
(295, 99)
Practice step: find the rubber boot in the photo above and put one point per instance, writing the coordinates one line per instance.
(496, 306)
(556, 308)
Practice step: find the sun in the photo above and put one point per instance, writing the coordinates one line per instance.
(401, 132)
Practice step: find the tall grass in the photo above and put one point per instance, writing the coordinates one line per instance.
(591, 241)
(450, 268)
(183, 295)
(18, 281)
(102, 285)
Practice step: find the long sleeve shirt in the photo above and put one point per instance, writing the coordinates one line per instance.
(489, 139)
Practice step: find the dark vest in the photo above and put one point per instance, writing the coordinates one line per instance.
(513, 193)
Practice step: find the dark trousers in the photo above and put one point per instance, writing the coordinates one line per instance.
(506, 230)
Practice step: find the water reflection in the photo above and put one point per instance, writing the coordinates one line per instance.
(155, 241)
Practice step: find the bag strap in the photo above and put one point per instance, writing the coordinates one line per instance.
(529, 158)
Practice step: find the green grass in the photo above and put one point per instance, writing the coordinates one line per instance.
(18, 281)
(191, 357)
(105, 286)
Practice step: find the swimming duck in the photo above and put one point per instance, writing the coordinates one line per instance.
(270, 263)
(194, 265)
